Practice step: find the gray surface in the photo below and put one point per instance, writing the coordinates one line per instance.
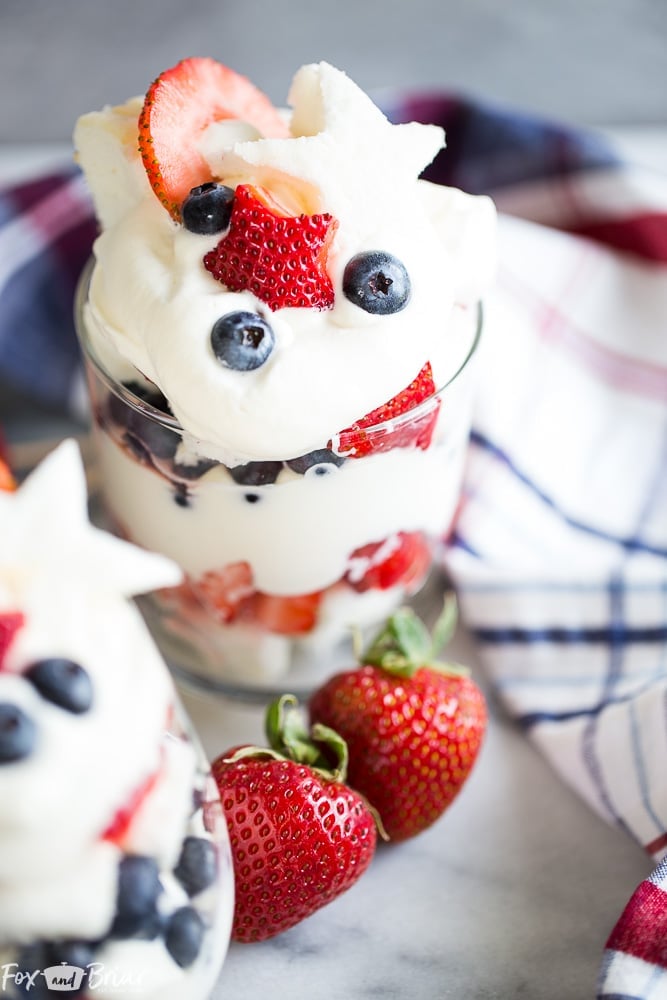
(596, 61)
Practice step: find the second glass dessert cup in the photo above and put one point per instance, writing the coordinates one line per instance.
(283, 561)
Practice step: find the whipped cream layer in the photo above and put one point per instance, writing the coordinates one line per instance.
(113, 779)
(152, 304)
(58, 801)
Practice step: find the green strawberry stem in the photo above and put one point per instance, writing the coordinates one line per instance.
(290, 738)
(404, 644)
(317, 746)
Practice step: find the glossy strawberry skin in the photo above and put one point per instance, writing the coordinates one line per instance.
(404, 559)
(360, 438)
(178, 107)
(281, 259)
(298, 841)
(412, 741)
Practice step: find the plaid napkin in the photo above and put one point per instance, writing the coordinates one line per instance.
(559, 552)
(46, 234)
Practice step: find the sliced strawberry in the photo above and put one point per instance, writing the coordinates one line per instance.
(179, 105)
(285, 615)
(357, 440)
(119, 827)
(402, 559)
(7, 481)
(10, 623)
(279, 258)
(224, 590)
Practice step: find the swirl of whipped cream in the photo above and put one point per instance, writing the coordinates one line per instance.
(152, 304)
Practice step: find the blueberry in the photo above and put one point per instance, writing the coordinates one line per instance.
(33, 958)
(197, 866)
(184, 935)
(43, 954)
(121, 411)
(158, 440)
(63, 682)
(72, 952)
(136, 902)
(377, 282)
(242, 341)
(17, 733)
(208, 208)
(316, 460)
(256, 473)
(193, 470)
(146, 436)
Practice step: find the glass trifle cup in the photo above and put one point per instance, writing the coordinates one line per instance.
(116, 872)
(283, 560)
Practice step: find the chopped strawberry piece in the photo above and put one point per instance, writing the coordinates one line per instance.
(285, 615)
(224, 590)
(356, 440)
(119, 827)
(10, 623)
(221, 592)
(177, 109)
(280, 258)
(7, 481)
(403, 559)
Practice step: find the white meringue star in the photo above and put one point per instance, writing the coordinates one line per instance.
(45, 530)
(335, 129)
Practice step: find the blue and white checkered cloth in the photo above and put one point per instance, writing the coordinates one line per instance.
(559, 551)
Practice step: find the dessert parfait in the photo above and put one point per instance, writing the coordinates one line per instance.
(115, 867)
(279, 326)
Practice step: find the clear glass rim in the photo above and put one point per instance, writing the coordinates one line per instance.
(170, 422)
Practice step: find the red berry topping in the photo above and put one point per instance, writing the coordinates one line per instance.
(404, 558)
(222, 591)
(178, 107)
(280, 258)
(229, 595)
(285, 615)
(10, 623)
(121, 822)
(357, 440)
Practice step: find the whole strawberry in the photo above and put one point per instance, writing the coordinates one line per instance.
(413, 727)
(299, 836)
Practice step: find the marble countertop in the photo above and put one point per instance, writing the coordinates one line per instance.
(512, 894)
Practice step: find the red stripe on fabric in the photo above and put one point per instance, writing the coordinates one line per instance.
(644, 235)
(59, 211)
(642, 928)
(657, 845)
(26, 195)
(555, 327)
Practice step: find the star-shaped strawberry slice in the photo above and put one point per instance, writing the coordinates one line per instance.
(279, 258)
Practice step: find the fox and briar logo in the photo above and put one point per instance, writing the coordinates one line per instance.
(66, 978)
